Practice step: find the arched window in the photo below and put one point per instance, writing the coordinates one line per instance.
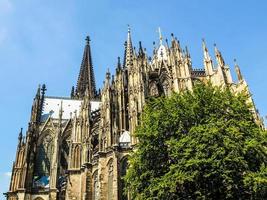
(76, 158)
(65, 148)
(95, 186)
(123, 168)
(44, 155)
(110, 179)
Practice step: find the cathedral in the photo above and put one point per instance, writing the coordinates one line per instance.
(77, 147)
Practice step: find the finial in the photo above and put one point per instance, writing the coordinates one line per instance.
(167, 42)
(38, 93)
(20, 135)
(204, 46)
(216, 49)
(129, 29)
(118, 64)
(203, 42)
(235, 61)
(160, 36)
(72, 94)
(187, 52)
(140, 45)
(43, 89)
(61, 110)
(108, 74)
(238, 71)
(87, 39)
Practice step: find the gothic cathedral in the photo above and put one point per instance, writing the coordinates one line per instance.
(77, 147)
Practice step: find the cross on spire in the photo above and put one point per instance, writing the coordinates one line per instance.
(87, 39)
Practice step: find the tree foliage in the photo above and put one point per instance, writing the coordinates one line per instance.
(202, 144)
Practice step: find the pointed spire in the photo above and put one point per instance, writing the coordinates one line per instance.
(219, 57)
(72, 93)
(43, 90)
(20, 135)
(86, 77)
(107, 79)
(38, 93)
(167, 42)
(173, 41)
(140, 51)
(119, 64)
(128, 49)
(205, 51)
(187, 54)
(160, 37)
(60, 113)
(154, 47)
(207, 60)
(108, 74)
(238, 71)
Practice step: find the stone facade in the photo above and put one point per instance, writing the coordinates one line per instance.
(77, 147)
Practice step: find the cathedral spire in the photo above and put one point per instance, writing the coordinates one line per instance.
(86, 79)
(128, 59)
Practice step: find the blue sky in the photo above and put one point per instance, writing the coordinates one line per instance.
(43, 41)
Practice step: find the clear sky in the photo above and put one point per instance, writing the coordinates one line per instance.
(43, 41)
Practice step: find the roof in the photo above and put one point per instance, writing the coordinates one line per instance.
(51, 107)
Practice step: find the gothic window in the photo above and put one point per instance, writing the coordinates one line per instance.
(16, 180)
(123, 169)
(95, 186)
(76, 157)
(64, 154)
(44, 155)
(20, 158)
(110, 180)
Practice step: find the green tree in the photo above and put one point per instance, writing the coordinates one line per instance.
(202, 144)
